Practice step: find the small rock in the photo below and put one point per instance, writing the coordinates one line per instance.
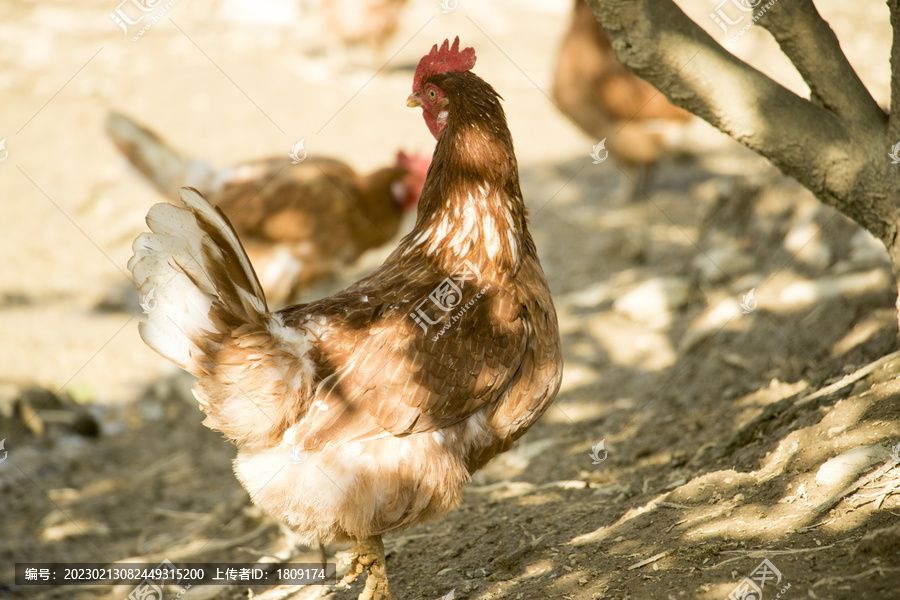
(804, 293)
(867, 250)
(120, 299)
(835, 431)
(591, 296)
(711, 321)
(654, 301)
(804, 241)
(846, 467)
(719, 264)
(43, 411)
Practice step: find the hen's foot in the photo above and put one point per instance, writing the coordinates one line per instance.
(368, 555)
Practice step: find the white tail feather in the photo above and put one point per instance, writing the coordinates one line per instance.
(195, 281)
(161, 164)
(201, 207)
(207, 314)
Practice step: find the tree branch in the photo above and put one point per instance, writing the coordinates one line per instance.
(893, 131)
(811, 45)
(829, 156)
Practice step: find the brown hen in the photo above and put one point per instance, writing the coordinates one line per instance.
(367, 411)
(606, 101)
(359, 30)
(299, 223)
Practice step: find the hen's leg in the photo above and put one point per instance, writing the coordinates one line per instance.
(635, 181)
(368, 556)
(645, 178)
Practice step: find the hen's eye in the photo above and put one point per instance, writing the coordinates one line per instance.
(431, 93)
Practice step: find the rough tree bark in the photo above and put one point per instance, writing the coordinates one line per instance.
(835, 143)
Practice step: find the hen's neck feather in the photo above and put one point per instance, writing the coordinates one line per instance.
(471, 206)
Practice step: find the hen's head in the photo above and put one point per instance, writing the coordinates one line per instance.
(410, 188)
(432, 99)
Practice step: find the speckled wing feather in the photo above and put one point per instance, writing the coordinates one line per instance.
(385, 374)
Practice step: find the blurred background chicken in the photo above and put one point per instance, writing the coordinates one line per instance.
(606, 101)
(361, 25)
(298, 222)
(369, 23)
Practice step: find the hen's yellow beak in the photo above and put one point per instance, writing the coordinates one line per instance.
(413, 101)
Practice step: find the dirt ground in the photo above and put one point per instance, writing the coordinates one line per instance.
(729, 436)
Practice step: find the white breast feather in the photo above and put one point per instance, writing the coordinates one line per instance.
(492, 241)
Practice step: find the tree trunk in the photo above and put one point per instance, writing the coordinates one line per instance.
(836, 143)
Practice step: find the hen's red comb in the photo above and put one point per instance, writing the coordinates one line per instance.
(447, 59)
